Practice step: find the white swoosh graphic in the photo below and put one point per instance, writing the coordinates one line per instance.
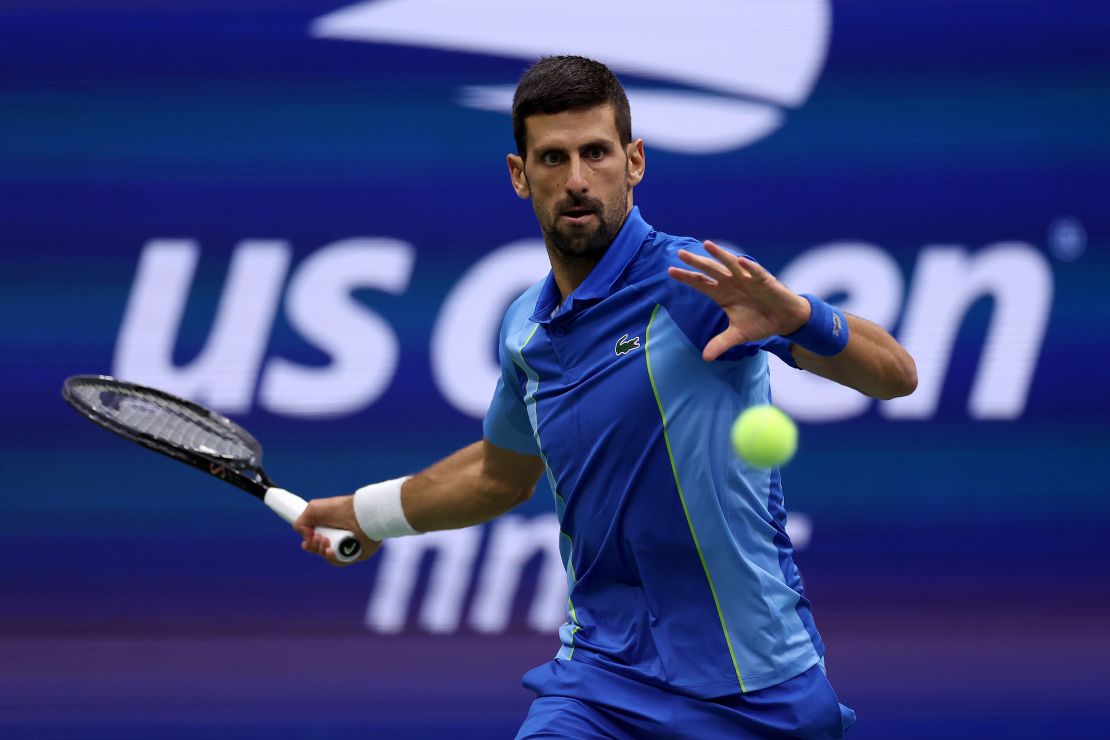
(674, 120)
(766, 52)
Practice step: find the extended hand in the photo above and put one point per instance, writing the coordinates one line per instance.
(338, 512)
(757, 305)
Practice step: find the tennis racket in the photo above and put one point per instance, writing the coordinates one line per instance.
(194, 435)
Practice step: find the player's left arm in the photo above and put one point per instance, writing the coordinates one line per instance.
(872, 362)
(759, 306)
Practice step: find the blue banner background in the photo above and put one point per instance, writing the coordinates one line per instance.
(956, 564)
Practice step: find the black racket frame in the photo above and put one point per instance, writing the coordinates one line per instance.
(245, 474)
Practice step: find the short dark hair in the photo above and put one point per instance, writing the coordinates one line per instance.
(561, 83)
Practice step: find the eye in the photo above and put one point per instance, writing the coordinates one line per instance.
(551, 158)
(596, 152)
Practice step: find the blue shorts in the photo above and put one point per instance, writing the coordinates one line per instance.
(581, 701)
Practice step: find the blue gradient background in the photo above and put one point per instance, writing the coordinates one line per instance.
(958, 568)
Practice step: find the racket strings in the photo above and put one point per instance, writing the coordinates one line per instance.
(164, 420)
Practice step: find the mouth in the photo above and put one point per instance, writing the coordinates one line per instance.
(577, 215)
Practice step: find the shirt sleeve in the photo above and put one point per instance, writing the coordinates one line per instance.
(506, 424)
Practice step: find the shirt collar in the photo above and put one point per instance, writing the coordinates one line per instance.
(599, 283)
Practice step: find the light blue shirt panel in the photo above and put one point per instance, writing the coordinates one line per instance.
(728, 502)
(507, 423)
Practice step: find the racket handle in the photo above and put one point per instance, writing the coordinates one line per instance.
(289, 506)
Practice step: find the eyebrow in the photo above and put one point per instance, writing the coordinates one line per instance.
(557, 149)
(552, 149)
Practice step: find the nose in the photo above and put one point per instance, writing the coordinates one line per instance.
(576, 177)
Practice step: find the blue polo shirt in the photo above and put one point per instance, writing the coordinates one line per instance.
(679, 570)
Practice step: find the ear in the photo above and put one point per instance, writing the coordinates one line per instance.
(636, 163)
(516, 174)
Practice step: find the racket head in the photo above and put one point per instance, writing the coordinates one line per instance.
(173, 426)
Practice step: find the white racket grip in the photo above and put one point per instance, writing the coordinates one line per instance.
(289, 506)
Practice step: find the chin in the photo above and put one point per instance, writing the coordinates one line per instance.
(582, 250)
(583, 242)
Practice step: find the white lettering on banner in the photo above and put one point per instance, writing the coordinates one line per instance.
(872, 284)
(463, 362)
(513, 541)
(947, 281)
(224, 373)
(363, 347)
(364, 350)
(454, 551)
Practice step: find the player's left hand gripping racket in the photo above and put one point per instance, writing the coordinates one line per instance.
(195, 435)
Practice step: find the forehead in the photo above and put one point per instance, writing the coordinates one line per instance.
(571, 128)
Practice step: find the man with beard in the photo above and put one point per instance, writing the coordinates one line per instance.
(621, 374)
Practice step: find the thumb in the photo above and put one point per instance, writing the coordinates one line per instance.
(306, 523)
(721, 343)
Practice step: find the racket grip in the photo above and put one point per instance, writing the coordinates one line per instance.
(289, 506)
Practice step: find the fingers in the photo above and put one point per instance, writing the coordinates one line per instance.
(735, 265)
(696, 280)
(312, 542)
(713, 268)
(337, 512)
(319, 545)
(756, 270)
(725, 265)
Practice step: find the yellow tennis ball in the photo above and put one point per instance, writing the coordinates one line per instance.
(763, 436)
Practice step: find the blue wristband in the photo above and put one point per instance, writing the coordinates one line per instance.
(826, 332)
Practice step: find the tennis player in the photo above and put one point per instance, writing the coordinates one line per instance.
(621, 374)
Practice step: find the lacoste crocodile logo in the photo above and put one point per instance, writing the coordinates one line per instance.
(626, 345)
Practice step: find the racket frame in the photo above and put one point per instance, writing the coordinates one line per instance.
(246, 474)
(243, 473)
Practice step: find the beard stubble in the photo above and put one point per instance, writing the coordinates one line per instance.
(586, 244)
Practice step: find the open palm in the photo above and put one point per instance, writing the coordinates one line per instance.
(756, 303)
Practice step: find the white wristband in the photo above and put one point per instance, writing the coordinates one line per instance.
(378, 510)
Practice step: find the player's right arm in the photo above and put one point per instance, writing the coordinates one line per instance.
(478, 483)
